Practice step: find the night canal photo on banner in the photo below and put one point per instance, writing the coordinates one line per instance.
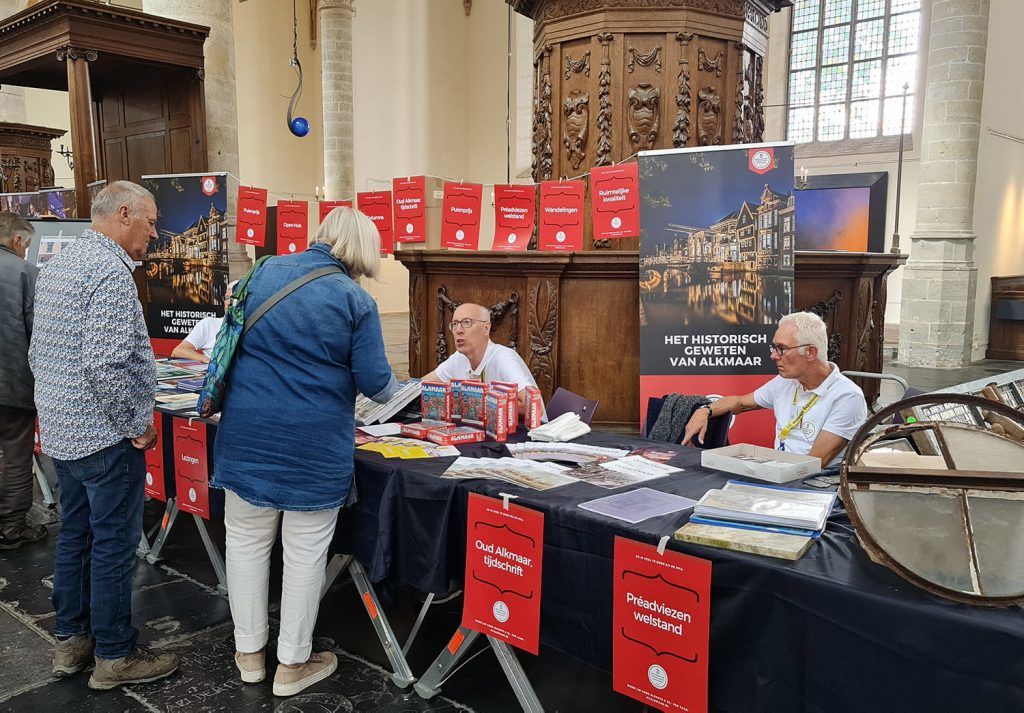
(717, 234)
(187, 266)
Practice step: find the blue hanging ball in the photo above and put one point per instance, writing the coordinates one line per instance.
(299, 126)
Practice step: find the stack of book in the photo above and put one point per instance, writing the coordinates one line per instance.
(763, 519)
(368, 411)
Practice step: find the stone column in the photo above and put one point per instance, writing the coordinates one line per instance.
(12, 99)
(336, 56)
(219, 90)
(939, 280)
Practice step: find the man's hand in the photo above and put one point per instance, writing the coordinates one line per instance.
(697, 425)
(147, 440)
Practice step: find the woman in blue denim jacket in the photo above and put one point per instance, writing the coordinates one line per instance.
(284, 446)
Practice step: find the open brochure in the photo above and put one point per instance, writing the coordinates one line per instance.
(368, 411)
(766, 505)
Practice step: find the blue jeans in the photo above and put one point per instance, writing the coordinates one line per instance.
(101, 499)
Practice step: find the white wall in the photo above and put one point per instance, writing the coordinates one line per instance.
(999, 198)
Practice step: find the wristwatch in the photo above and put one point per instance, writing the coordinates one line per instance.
(710, 412)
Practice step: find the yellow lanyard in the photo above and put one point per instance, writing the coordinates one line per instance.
(799, 417)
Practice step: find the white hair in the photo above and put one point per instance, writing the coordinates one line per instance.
(354, 240)
(119, 193)
(810, 330)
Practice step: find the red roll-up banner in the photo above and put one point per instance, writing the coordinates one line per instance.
(292, 227)
(661, 611)
(514, 207)
(376, 205)
(191, 469)
(614, 200)
(460, 216)
(251, 225)
(410, 209)
(561, 215)
(504, 548)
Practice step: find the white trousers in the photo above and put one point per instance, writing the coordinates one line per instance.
(305, 537)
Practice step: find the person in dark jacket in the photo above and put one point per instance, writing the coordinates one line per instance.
(17, 407)
(284, 448)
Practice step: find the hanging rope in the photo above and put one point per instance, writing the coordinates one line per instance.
(297, 125)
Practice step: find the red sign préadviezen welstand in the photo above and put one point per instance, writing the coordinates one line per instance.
(504, 549)
(661, 619)
(513, 217)
(191, 468)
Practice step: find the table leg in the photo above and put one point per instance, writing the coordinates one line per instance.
(402, 675)
(516, 676)
(44, 485)
(335, 566)
(214, 554)
(166, 523)
(429, 684)
(416, 626)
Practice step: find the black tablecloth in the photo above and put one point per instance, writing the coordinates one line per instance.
(830, 632)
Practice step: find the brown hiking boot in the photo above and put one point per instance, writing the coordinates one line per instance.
(292, 678)
(253, 667)
(141, 667)
(72, 655)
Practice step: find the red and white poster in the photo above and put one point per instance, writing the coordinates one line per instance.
(327, 206)
(251, 226)
(513, 217)
(191, 469)
(376, 205)
(503, 571)
(410, 195)
(661, 616)
(155, 486)
(460, 215)
(561, 215)
(614, 203)
(292, 227)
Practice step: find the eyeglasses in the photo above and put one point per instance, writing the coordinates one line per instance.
(780, 349)
(465, 323)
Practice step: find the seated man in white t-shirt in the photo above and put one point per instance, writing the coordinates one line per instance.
(817, 409)
(477, 357)
(198, 345)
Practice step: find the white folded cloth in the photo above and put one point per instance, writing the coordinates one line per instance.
(564, 428)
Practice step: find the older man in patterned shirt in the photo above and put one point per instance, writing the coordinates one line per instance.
(95, 383)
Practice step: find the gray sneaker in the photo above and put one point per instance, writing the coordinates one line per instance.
(72, 655)
(141, 667)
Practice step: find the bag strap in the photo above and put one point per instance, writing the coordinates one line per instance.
(287, 290)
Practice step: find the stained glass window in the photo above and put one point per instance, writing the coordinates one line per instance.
(849, 61)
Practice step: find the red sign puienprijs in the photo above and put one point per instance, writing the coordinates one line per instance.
(251, 225)
(460, 216)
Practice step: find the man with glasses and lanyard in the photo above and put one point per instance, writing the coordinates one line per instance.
(817, 409)
(477, 357)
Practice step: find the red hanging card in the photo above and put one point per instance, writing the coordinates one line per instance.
(327, 206)
(613, 200)
(504, 548)
(37, 443)
(376, 205)
(191, 470)
(410, 209)
(460, 216)
(661, 617)
(561, 215)
(251, 226)
(155, 487)
(513, 217)
(292, 227)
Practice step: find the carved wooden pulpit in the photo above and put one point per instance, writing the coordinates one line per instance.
(25, 157)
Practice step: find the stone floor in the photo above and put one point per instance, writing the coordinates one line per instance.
(177, 609)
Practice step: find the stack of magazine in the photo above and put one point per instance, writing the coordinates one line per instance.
(765, 507)
(368, 411)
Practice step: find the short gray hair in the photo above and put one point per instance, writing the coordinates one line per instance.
(354, 240)
(117, 194)
(810, 330)
(12, 224)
